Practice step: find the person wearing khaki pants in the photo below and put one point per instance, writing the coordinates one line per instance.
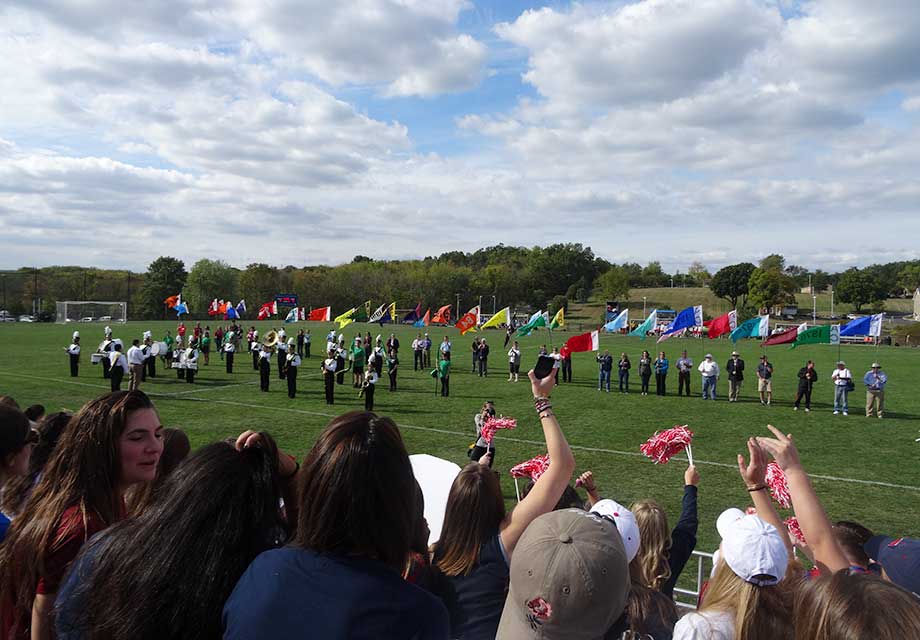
(136, 363)
(875, 380)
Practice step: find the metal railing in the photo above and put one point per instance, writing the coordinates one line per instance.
(703, 560)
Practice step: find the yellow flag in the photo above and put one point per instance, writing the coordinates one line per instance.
(501, 317)
(558, 319)
(345, 318)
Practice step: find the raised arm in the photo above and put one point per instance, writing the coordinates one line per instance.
(808, 508)
(754, 474)
(549, 487)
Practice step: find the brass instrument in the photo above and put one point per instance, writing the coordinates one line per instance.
(271, 340)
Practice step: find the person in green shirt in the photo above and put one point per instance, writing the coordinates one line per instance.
(357, 363)
(167, 357)
(206, 346)
(444, 374)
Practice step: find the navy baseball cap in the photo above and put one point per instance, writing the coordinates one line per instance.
(899, 557)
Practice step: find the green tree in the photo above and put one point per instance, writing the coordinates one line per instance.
(731, 283)
(859, 288)
(211, 279)
(769, 287)
(614, 284)
(699, 274)
(258, 284)
(909, 278)
(773, 262)
(165, 277)
(558, 302)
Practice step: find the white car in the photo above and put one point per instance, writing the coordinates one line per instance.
(26, 319)
(87, 319)
(104, 319)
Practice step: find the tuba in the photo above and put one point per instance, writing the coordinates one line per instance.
(271, 340)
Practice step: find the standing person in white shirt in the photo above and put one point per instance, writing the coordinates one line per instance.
(445, 348)
(74, 352)
(191, 361)
(328, 368)
(229, 350)
(843, 380)
(136, 362)
(119, 366)
(417, 352)
(557, 364)
(514, 361)
(291, 366)
(710, 371)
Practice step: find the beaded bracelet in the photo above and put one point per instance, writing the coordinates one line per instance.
(542, 404)
(757, 487)
(548, 414)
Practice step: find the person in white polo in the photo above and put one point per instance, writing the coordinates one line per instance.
(710, 371)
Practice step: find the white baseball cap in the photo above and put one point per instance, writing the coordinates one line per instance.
(752, 548)
(625, 521)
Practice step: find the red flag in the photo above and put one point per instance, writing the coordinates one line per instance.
(265, 311)
(785, 337)
(320, 315)
(469, 321)
(584, 342)
(721, 325)
(443, 315)
(214, 309)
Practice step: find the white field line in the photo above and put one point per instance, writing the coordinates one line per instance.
(402, 425)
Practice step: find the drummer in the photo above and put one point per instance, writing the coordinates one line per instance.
(191, 361)
(178, 356)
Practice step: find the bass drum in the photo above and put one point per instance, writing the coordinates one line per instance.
(158, 349)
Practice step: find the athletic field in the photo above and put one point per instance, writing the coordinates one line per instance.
(864, 469)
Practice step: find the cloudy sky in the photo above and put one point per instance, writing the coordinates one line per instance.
(308, 131)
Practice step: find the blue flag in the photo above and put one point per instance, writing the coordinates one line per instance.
(867, 326)
(756, 327)
(689, 317)
(180, 309)
(621, 321)
(646, 326)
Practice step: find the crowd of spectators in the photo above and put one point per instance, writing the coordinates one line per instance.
(111, 527)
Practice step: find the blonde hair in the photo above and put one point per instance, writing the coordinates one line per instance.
(850, 607)
(650, 567)
(758, 613)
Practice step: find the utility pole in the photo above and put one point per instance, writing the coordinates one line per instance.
(814, 309)
(643, 306)
(493, 305)
(832, 303)
(457, 309)
(480, 303)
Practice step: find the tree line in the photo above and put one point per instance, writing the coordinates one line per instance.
(535, 277)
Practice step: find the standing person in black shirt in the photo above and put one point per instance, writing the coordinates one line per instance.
(735, 370)
(807, 377)
(483, 358)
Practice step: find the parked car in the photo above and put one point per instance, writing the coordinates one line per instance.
(104, 319)
(86, 319)
(26, 319)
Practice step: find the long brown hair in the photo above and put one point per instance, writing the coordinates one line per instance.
(357, 491)
(18, 489)
(758, 613)
(650, 567)
(83, 471)
(475, 509)
(853, 607)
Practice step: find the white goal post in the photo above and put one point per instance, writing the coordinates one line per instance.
(91, 311)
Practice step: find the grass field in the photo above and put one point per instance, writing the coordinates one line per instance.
(864, 469)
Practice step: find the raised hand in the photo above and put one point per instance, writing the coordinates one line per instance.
(753, 472)
(781, 448)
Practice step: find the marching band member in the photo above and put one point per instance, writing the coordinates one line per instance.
(256, 349)
(306, 344)
(136, 360)
(340, 355)
(177, 354)
(229, 350)
(74, 352)
(379, 356)
(106, 348)
(219, 340)
(119, 365)
(370, 384)
(151, 362)
(169, 342)
(300, 336)
(292, 363)
(330, 341)
(328, 369)
(392, 368)
(250, 337)
(191, 361)
(265, 366)
(282, 354)
(357, 363)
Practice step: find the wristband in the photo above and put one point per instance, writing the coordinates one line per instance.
(542, 404)
(757, 487)
(547, 414)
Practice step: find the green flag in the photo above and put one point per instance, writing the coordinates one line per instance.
(536, 320)
(362, 313)
(822, 334)
(646, 326)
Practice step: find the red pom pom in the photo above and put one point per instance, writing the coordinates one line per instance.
(795, 531)
(491, 425)
(664, 444)
(533, 468)
(779, 488)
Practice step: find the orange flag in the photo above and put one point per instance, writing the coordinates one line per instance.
(443, 315)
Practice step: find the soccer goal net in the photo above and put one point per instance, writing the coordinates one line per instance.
(91, 311)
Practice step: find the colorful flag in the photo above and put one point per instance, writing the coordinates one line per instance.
(322, 314)
(620, 322)
(265, 311)
(756, 327)
(722, 325)
(345, 318)
(378, 313)
(502, 317)
(865, 326)
(214, 308)
(274, 307)
(241, 307)
(291, 316)
(558, 319)
(443, 315)
(533, 468)
(389, 314)
(469, 321)
(222, 308)
(413, 315)
(362, 313)
(687, 318)
(171, 301)
(822, 334)
(180, 309)
(785, 337)
(646, 326)
(425, 321)
(539, 319)
(585, 342)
